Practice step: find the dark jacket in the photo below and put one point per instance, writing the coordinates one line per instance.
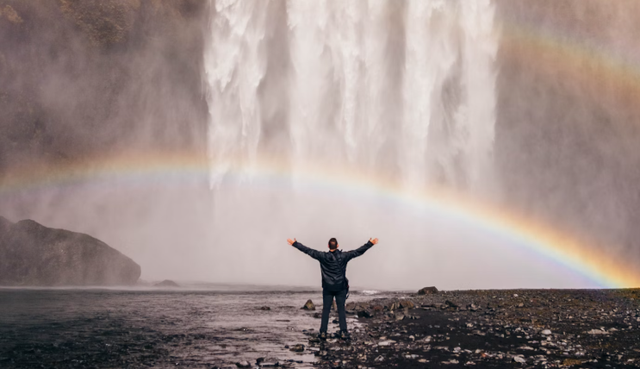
(333, 264)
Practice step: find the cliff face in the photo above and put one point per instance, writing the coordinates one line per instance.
(92, 77)
(34, 255)
(567, 128)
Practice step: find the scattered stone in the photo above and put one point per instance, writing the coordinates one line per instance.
(265, 308)
(309, 305)
(366, 314)
(451, 304)
(297, 348)
(406, 304)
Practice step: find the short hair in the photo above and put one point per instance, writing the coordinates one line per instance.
(333, 244)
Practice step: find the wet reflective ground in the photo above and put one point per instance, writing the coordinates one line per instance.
(132, 328)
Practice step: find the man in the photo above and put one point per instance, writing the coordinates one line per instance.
(333, 265)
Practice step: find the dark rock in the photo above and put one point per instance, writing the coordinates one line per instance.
(451, 304)
(297, 348)
(366, 314)
(406, 304)
(427, 291)
(167, 283)
(243, 364)
(309, 305)
(34, 255)
(265, 308)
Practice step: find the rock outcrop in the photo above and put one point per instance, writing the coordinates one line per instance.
(34, 255)
(167, 283)
(427, 291)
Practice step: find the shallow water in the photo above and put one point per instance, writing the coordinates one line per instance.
(111, 328)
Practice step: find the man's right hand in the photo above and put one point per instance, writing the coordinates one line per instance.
(373, 240)
(291, 242)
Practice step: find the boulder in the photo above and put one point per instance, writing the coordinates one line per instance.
(309, 305)
(427, 291)
(34, 255)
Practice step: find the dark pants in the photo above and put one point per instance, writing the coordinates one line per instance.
(327, 301)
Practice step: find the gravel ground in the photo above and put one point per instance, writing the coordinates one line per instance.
(492, 329)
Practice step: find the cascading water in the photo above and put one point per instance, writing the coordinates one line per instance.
(400, 90)
(406, 88)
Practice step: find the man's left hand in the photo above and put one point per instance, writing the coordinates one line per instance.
(291, 242)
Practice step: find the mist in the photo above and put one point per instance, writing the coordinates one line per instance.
(423, 94)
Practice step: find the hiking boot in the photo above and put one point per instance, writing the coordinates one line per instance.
(322, 336)
(344, 335)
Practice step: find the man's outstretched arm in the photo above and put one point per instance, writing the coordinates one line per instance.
(361, 250)
(309, 251)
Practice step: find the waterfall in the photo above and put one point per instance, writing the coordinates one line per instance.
(399, 92)
(404, 88)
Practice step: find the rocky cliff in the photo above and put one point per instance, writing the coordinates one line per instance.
(84, 78)
(34, 255)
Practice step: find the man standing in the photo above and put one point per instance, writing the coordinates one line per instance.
(333, 265)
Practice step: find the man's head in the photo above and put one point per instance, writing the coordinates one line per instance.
(333, 244)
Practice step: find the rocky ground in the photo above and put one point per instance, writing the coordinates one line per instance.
(452, 329)
(492, 329)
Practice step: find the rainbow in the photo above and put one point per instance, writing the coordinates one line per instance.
(608, 79)
(156, 168)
